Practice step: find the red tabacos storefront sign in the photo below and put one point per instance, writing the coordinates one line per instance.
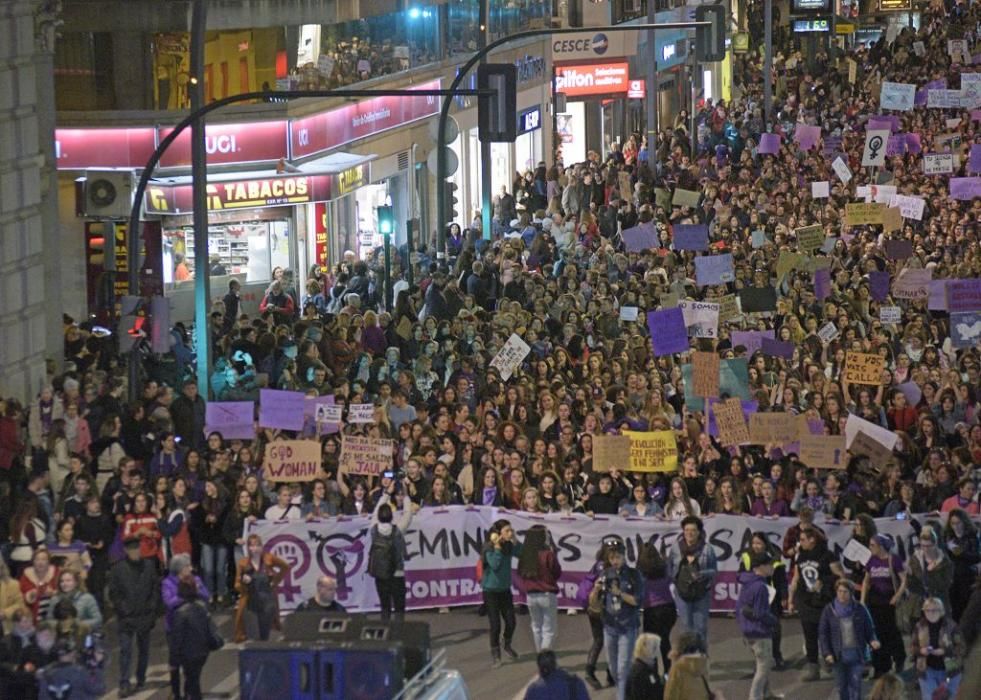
(240, 194)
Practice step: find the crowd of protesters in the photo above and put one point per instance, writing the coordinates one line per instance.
(126, 510)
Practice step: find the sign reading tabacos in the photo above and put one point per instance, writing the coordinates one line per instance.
(240, 194)
(327, 130)
(592, 79)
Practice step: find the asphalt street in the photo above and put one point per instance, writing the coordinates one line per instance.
(464, 635)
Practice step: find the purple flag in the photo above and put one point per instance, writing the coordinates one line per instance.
(691, 237)
(913, 144)
(769, 143)
(965, 188)
(668, 332)
(778, 348)
(974, 164)
(822, 283)
(806, 136)
(640, 237)
(879, 285)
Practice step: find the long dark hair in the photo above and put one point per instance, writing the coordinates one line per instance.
(650, 563)
(536, 541)
(496, 528)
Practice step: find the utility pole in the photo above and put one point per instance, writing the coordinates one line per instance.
(486, 177)
(199, 180)
(651, 94)
(767, 63)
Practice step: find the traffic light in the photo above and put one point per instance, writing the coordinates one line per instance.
(496, 120)
(386, 220)
(133, 322)
(450, 201)
(710, 41)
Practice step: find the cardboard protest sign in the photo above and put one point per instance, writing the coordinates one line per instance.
(705, 373)
(864, 368)
(823, 451)
(653, 451)
(912, 283)
(733, 382)
(874, 154)
(685, 198)
(662, 198)
(292, 460)
(964, 295)
(280, 409)
(728, 307)
(732, 424)
(668, 332)
(787, 262)
(510, 356)
(361, 413)
(235, 420)
(892, 220)
(810, 237)
(883, 436)
(871, 448)
(773, 428)
(611, 452)
(758, 299)
(890, 314)
(365, 455)
(691, 237)
(859, 213)
(714, 269)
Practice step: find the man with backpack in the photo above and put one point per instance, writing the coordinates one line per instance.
(692, 568)
(387, 554)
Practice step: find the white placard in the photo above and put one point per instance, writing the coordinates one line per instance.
(890, 314)
(856, 551)
(821, 190)
(628, 313)
(329, 413)
(510, 356)
(828, 332)
(701, 318)
(947, 99)
(910, 207)
(897, 96)
(874, 153)
(938, 163)
(953, 123)
(855, 425)
(882, 193)
(957, 47)
(842, 170)
(361, 413)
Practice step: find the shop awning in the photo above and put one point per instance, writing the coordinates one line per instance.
(319, 180)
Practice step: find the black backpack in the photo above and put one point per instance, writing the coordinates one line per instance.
(383, 558)
(690, 587)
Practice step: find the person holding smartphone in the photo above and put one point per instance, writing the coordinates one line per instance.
(496, 584)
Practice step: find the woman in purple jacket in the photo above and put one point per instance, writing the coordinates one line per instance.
(660, 612)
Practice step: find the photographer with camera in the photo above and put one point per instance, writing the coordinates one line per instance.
(387, 555)
(68, 678)
(620, 592)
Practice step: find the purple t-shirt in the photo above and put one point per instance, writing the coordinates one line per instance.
(883, 578)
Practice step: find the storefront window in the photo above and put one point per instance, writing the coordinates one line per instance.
(506, 17)
(253, 249)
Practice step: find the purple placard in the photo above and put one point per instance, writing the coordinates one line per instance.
(938, 296)
(778, 348)
(235, 420)
(640, 237)
(769, 144)
(310, 404)
(912, 392)
(888, 122)
(974, 162)
(965, 188)
(751, 340)
(879, 285)
(913, 144)
(831, 144)
(964, 295)
(713, 269)
(691, 237)
(976, 115)
(896, 145)
(822, 283)
(668, 332)
(806, 136)
(281, 409)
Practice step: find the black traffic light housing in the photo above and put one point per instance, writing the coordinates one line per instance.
(386, 220)
(710, 41)
(496, 115)
(450, 200)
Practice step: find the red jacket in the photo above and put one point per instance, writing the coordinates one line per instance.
(902, 420)
(11, 445)
(549, 571)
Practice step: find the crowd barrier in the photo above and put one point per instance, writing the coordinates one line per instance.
(444, 544)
